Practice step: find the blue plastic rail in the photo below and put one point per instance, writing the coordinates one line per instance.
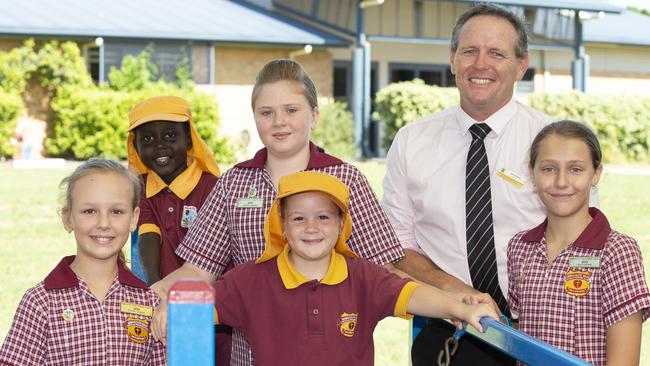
(190, 324)
(517, 344)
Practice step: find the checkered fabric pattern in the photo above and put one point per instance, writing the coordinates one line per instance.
(223, 234)
(96, 334)
(576, 324)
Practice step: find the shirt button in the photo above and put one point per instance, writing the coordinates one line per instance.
(315, 311)
(171, 209)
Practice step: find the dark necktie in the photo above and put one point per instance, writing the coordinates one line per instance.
(481, 255)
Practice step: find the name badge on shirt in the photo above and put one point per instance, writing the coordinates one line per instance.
(584, 262)
(137, 309)
(250, 201)
(510, 176)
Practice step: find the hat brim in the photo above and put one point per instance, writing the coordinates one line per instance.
(159, 117)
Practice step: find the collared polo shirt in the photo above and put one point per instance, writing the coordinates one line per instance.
(170, 210)
(592, 284)
(291, 320)
(226, 232)
(60, 322)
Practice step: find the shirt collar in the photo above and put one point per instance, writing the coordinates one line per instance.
(594, 235)
(317, 159)
(182, 185)
(497, 121)
(62, 276)
(336, 273)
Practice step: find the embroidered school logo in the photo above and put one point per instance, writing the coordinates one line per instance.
(348, 323)
(189, 214)
(576, 282)
(137, 329)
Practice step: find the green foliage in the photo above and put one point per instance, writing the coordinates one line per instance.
(89, 123)
(15, 66)
(61, 64)
(93, 122)
(135, 73)
(335, 131)
(401, 103)
(621, 123)
(11, 107)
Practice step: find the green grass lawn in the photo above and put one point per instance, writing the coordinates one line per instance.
(32, 240)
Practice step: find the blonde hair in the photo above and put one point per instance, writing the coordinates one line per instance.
(98, 165)
(285, 70)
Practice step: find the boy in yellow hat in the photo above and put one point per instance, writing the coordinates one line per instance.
(179, 172)
(309, 300)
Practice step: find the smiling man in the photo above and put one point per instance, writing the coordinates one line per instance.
(456, 186)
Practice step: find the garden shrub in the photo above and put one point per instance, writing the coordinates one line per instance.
(335, 131)
(622, 123)
(91, 123)
(401, 103)
(11, 108)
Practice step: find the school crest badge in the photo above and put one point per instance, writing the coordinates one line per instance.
(348, 323)
(137, 329)
(189, 214)
(577, 283)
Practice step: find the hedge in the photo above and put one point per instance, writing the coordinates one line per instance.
(11, 107)
(400, 103)
(622, 123)
(335, 131)
(91, 123)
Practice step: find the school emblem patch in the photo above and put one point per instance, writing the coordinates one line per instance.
(189, 214)
(348, 323)
(137, 329)
(576, 282)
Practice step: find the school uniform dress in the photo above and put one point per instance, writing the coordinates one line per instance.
(229, 228)
(291, 320)
(171, 210)
(60, 322)
(591, 285)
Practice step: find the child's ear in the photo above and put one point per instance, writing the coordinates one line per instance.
(596, 178)
(315, 117)
(65, 219)
(134, 219)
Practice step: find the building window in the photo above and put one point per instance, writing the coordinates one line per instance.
(343, 82)
(166, 56)
(431, 74)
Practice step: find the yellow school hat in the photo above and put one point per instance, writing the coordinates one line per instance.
(173, 109)
(306, 182)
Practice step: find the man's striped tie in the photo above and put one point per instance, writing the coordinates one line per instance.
(478, 210)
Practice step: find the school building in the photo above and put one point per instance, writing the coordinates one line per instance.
(351, 48)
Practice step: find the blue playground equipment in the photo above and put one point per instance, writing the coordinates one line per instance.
(190, 339)
(190, 324)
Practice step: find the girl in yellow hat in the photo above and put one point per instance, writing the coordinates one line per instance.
(319, 300)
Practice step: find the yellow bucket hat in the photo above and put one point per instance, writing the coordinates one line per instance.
(173, 109)
(306, 182)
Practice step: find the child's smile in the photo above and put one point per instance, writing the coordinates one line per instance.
(312, 224)
(163, 146)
